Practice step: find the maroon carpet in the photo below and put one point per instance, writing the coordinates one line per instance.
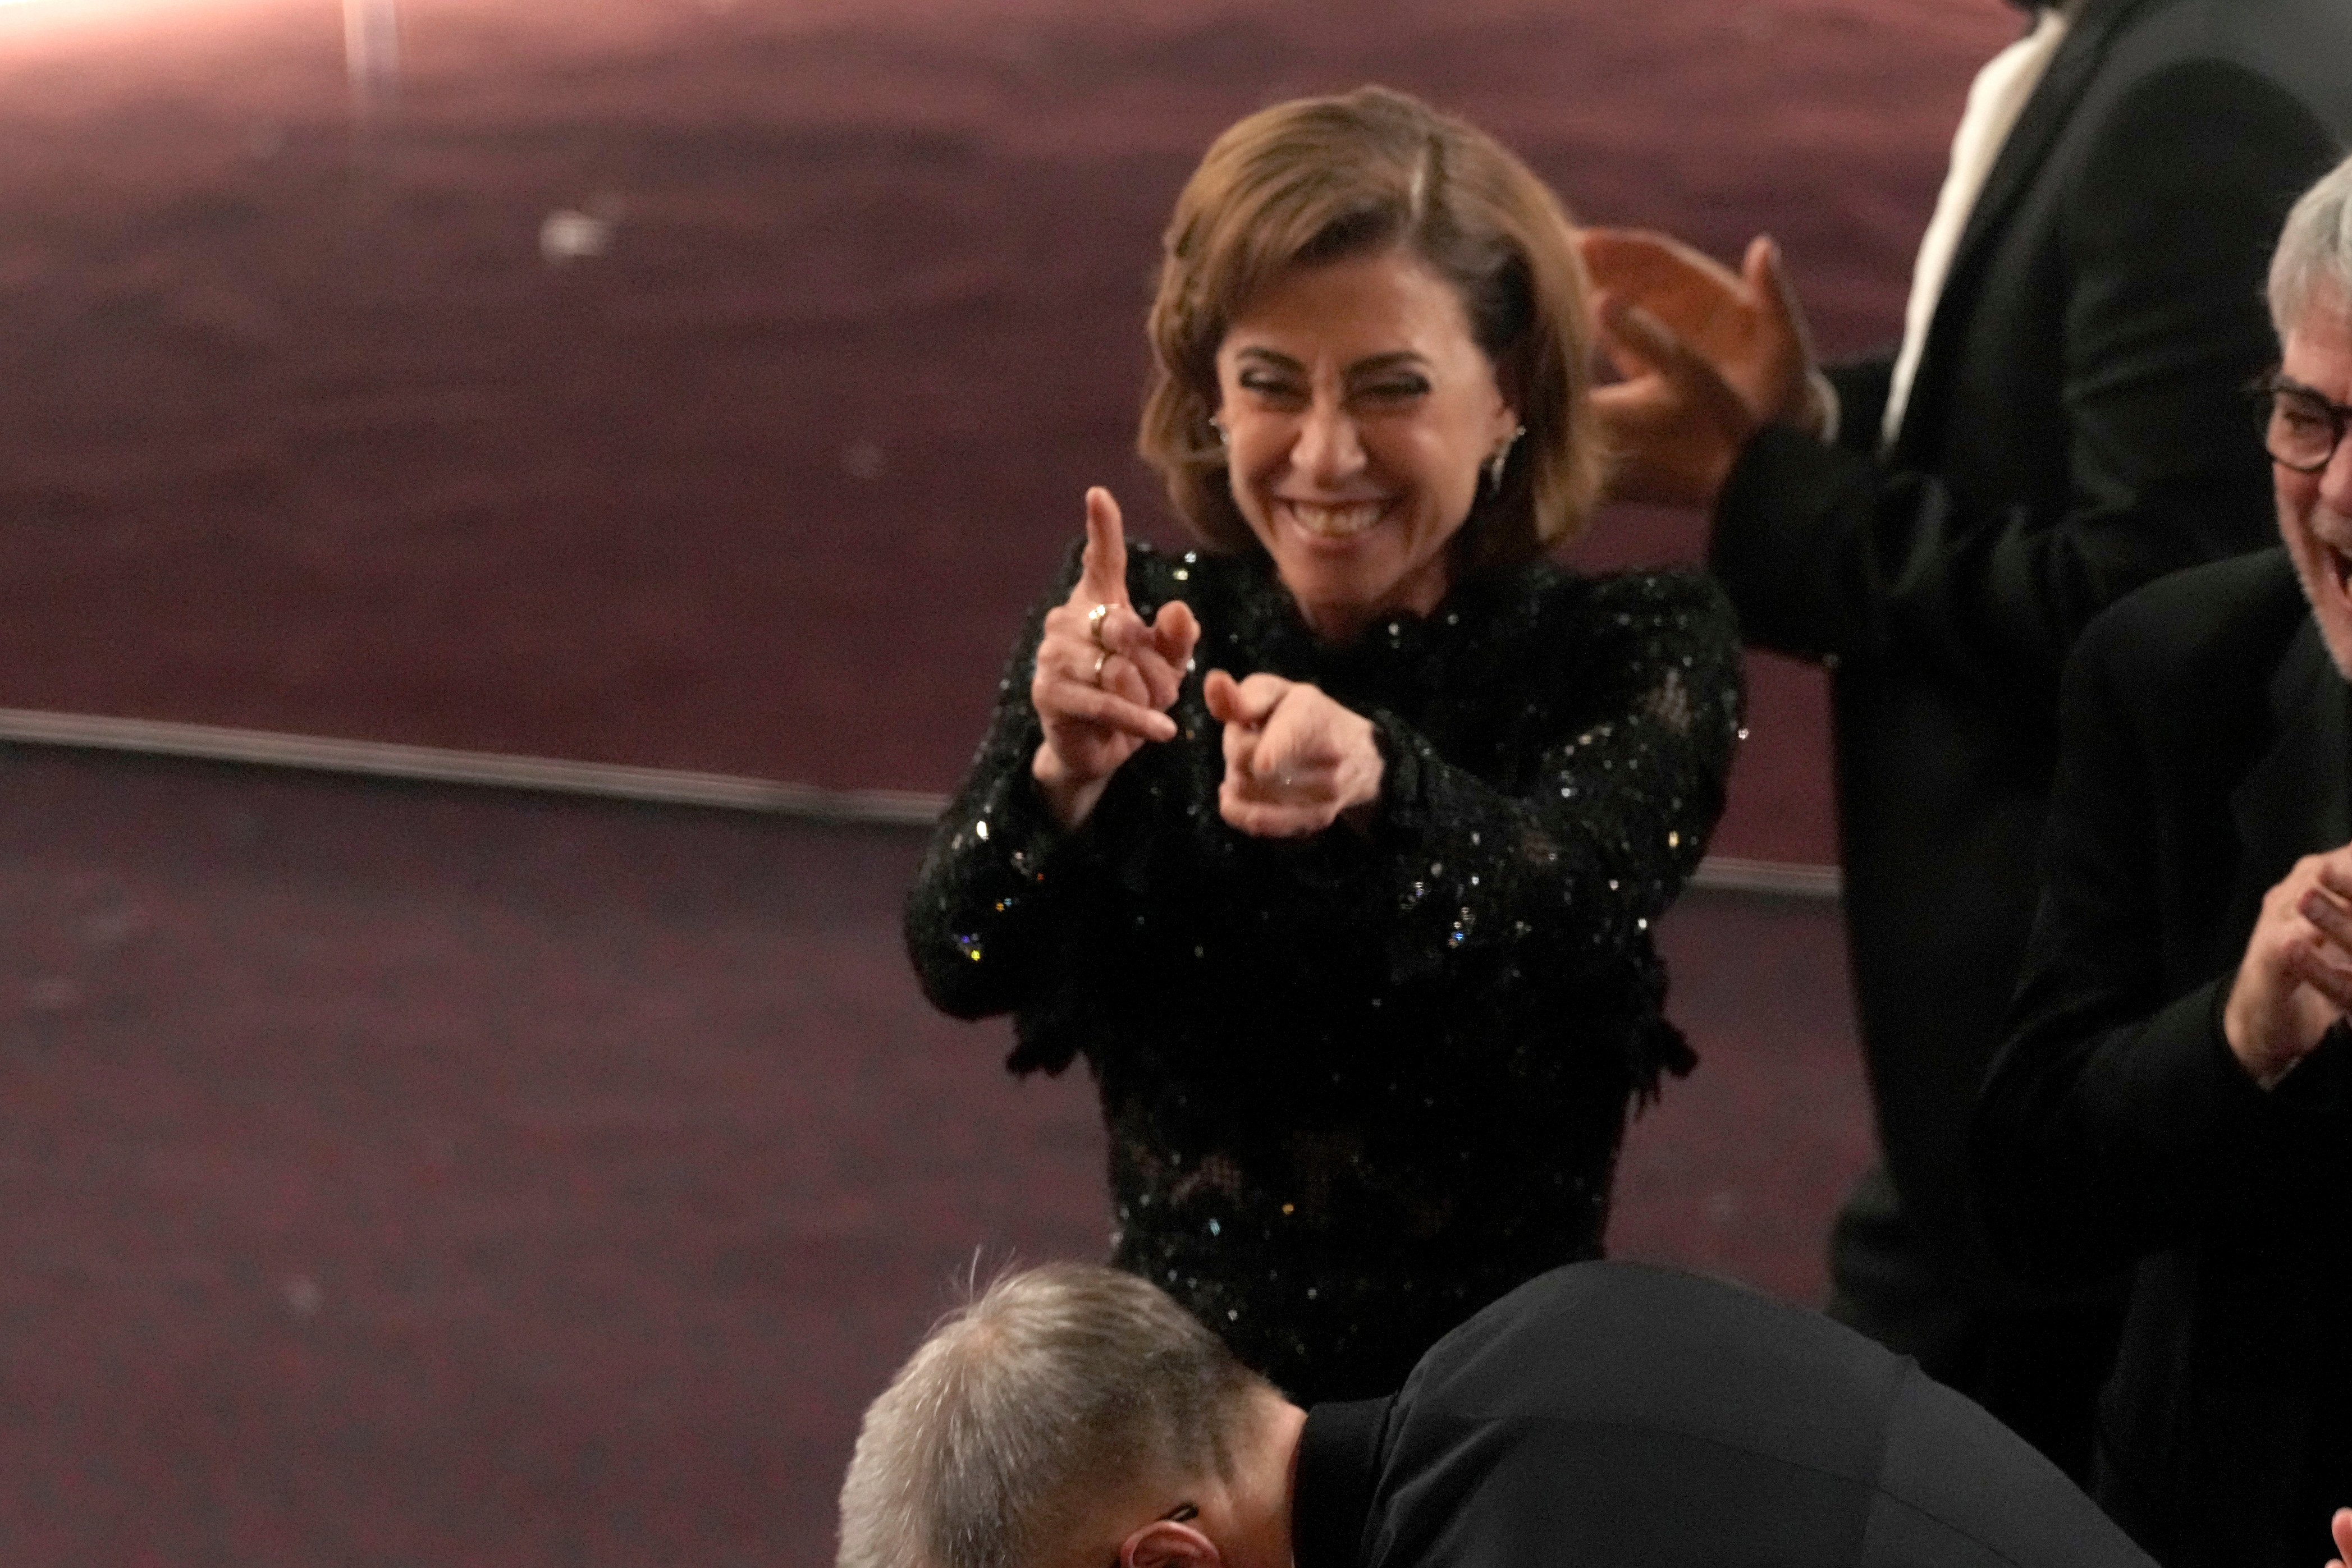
(405, 1175)
(394, 1176)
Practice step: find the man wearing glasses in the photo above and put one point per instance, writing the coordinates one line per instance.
(2175, 1095)
(1935, 528)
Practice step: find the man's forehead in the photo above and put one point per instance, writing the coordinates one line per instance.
(2318, 350)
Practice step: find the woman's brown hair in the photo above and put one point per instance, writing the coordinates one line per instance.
(1324, 178)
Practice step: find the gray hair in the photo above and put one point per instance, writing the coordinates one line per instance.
(1051, 1386)
(2315, 250)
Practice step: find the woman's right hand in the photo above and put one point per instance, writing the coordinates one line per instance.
(1105, 677)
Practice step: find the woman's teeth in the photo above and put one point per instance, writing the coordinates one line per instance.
(1334, 522)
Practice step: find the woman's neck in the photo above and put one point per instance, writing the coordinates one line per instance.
(1336, 624)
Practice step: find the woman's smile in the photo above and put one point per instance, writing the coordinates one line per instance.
(1335, 522)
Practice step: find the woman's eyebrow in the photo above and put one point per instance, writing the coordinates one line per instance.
(1395, 359)
(1281, 362)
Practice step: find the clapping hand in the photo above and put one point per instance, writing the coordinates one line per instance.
(1747, 325)
(1709, 356)
(1296, 761)
(1105, 677)
(2295, 980)
(2341, 1528)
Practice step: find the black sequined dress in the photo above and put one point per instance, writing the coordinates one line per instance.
(1359, 1085)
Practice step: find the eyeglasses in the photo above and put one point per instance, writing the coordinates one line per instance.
(1182, 1513)
(2303, 429)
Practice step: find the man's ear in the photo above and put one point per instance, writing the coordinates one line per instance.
(1168, 1544)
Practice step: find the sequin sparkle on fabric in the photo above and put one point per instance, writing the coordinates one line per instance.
(1359, 1085)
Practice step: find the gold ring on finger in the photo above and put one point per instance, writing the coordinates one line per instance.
(1095, 619)
(1101, 660)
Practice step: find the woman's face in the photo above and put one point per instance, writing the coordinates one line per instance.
(1356, 410)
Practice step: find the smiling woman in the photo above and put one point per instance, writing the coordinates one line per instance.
(1334, 848)
(1358, 415)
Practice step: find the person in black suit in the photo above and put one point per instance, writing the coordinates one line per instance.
(2176, 1091)
(2063, 424)
(1609, 1414)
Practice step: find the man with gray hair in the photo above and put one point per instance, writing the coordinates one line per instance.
(2176, 1092)
(1603, 1414)
(2057, 429)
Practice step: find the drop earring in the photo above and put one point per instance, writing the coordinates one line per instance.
(1494, 465)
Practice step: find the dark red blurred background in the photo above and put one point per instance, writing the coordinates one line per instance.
(396, 1174)
(303, 427)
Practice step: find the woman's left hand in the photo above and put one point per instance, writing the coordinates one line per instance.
(1296, 761)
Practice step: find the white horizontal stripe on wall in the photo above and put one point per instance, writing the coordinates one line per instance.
(612, 782)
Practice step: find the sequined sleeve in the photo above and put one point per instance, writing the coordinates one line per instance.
(982, 919)
(1581, 847)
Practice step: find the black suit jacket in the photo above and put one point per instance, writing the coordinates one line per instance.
(1617, 1416)
(2206, 746)
(2077, 426)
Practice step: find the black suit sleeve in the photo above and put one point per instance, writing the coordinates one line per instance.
(2115, 1117)
(2167, 225)
(1861, 387)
